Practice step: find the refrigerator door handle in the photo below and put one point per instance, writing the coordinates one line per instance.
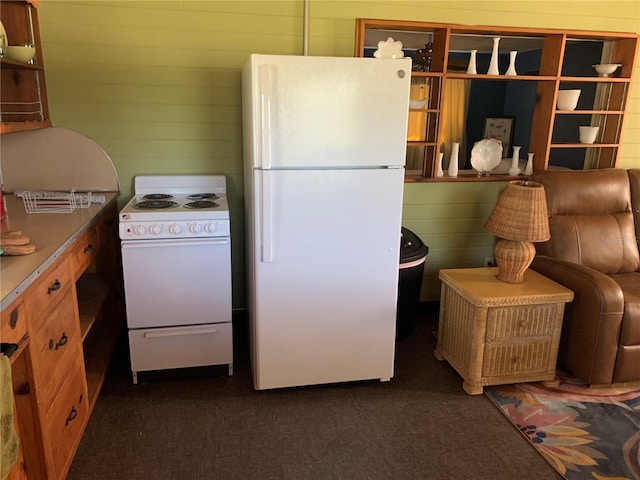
(266, 92)
(266, 233)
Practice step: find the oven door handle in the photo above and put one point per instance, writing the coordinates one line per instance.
(175, 243)
(174, 332)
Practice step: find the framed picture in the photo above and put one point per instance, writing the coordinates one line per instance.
(500, 128)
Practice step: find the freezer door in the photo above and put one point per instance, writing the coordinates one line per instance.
(325, 275)
(321, 112)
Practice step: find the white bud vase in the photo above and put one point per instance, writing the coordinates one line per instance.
(528, 170)
(493, 64)
(453, 160)
(511, 71)
(439, 172)
(471, 69)
(515, 169)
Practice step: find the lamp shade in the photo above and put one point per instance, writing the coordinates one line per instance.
(521, 213)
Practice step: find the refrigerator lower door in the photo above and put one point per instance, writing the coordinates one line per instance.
(325, 275)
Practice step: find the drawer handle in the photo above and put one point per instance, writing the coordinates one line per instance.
(55, 286)
(13, 321)
(88, 248)
(173, 332)
(72, 416)
(61, 343)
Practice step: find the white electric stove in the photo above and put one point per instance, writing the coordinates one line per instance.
(176, 206)
(176, 258)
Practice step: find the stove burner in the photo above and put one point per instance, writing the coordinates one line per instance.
(203, 196)
(201, 204)
(157, 196)
(155, 204)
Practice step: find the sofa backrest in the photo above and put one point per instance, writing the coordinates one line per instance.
(591, 219)
(634, 182)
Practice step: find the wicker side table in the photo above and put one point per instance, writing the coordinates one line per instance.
(493, 332)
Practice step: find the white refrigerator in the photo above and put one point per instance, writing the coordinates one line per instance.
(324, 153)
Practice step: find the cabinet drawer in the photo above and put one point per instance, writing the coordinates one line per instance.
(67, 417)
(13, 323)
(84, 250)
(46, 292)
(54, 346)
(526, 321)
(519, 358)
(179, 347)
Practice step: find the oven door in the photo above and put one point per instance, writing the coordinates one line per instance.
(177, 282)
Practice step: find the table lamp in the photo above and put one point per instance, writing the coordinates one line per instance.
(519, 218)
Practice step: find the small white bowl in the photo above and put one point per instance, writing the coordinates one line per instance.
(588, 134)
(418, 103)
(568, 99)
(21, 53)
(606, 69)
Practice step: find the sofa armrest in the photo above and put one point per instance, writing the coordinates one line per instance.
(591, 326)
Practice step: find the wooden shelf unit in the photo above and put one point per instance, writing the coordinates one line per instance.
(557, 68)
(23, 92)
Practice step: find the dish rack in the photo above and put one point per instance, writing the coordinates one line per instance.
(54, 202)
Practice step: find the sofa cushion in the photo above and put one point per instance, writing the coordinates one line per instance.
(586, 192)
(603, 242)
(634, 182)
(628, 357)
(591, 218)
(630, 284)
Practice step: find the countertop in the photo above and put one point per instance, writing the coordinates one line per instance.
(51, 233)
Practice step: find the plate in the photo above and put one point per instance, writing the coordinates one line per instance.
(389, 49)
(486, 155)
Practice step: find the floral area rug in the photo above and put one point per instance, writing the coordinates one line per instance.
(583, 433)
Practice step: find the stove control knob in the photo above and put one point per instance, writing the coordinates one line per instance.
(175, 229)
(210, 227)
(139, 230)
(195, 228)
(155, 229)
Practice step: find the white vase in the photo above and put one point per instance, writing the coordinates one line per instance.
(528, 170)
(515, 169)
(453, 160)
(493, 64)
(439, 172)
(471, 69)
(511, 71)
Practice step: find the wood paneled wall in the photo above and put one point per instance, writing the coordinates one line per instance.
(157, 84)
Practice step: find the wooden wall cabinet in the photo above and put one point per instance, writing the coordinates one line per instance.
(23, 93)
(67, 324)
(547, 61)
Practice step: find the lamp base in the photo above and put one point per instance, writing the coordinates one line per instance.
(513, 259)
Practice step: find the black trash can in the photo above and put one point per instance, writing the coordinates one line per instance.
(413, 253)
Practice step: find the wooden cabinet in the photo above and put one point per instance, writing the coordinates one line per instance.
(458, 105)
(100, 298)
(55, 351)
(494, 332)
(67, 323)
(23, 94)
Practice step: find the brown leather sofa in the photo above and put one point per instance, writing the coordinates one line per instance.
(594, 217)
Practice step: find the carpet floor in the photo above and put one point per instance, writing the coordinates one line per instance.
(201, 424)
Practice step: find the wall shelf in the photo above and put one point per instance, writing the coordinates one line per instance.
(548, 60)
